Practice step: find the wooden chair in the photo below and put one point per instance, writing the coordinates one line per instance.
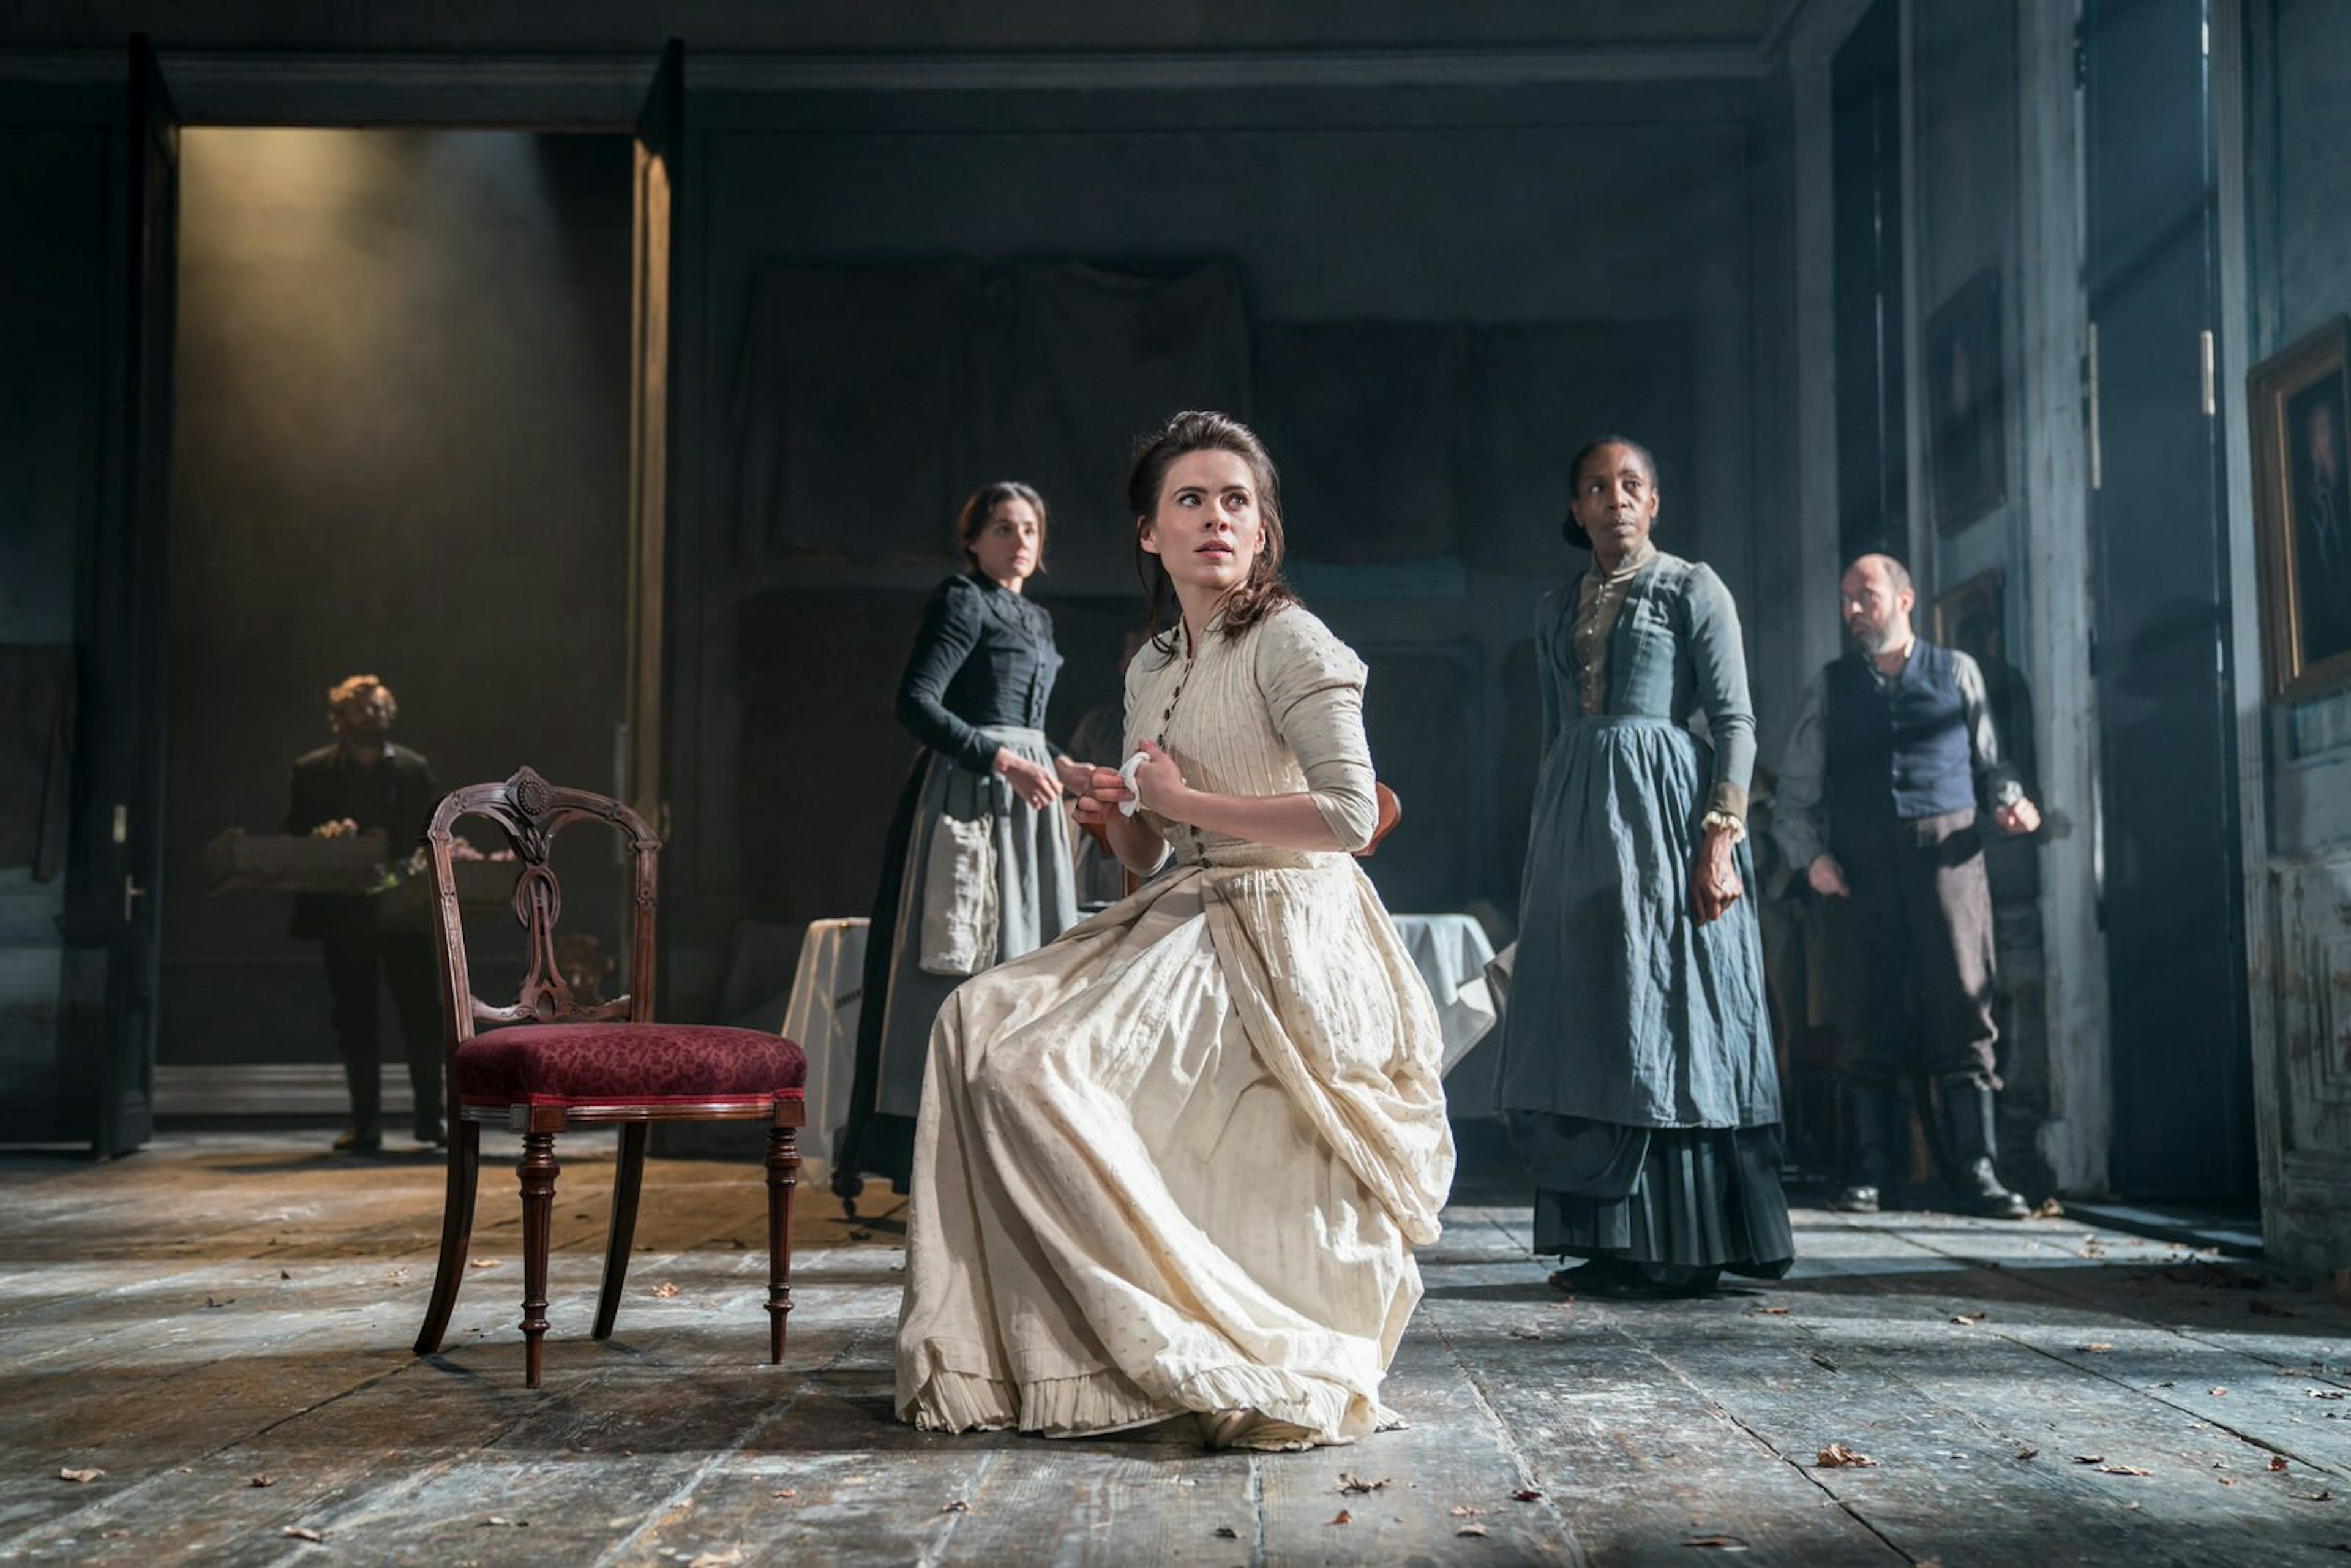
(561, 1065)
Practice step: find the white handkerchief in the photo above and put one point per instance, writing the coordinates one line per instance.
(1128, 807)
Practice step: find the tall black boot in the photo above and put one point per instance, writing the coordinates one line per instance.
(425, 1080)
(366, 1083)
(1876, 1125)
(1969, 1134)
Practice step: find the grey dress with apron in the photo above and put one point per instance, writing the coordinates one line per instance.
(1636, 1070)
(979, 676)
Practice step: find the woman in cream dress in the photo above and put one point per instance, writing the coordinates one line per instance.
(1173, 1164)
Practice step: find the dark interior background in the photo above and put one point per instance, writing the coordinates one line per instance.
(400, 447)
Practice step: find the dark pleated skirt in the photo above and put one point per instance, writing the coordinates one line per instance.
(1686, 1197)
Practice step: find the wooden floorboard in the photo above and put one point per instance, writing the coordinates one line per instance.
(1972, 1362)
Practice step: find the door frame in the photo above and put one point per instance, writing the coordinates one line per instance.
(597, 95)
(2078, 1138)
(2238, 322)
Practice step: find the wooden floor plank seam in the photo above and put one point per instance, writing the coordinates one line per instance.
(776, 1411)
(1522, 1466)
(1808, 1474)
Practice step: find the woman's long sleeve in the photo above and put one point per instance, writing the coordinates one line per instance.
(949, 630)
(1718, 664)
(1314, 689)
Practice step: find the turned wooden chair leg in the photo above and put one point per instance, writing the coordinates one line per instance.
(783, 1176)
(456, 1230)
(628, 1180)
(536, 1171)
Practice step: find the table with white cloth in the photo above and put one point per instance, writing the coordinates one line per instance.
(1450, 951)
(821, 1018)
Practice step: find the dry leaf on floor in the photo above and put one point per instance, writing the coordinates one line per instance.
(1716, 1543)
(1526, 1333)
(957, 1505)
(1471, 1530)
(1344, 1517)
(788, 1491)
(1526, 1494)
(2028, 1453)
(2050, 1208)
(1463, 1510)
(860, 1234)
(84, 1477)
(2313, 1497)
(224, 1300)
(726, 1559)
(2217, 1393)
(2089, 1458)
(513, 1523)
(284, 1275)
(1350, 1482)
(1767, 1312)
(1840, 1456)
(2095, 1347)
(2123, 1470)
(481, 1264)
(1967, 1317)
(2224, 1480)
(664, 1290)
(303, 1532)
(2277, 1461)
(1823, 1362)
(263, 1482)
(1227, 1532)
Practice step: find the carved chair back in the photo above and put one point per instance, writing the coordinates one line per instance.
(529, 812)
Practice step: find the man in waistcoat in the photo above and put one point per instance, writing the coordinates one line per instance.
(1878, 796)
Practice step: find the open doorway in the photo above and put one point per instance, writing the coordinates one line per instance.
(400, 447)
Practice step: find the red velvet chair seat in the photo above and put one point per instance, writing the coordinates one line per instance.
(598, 1063)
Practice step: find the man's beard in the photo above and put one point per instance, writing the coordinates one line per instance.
(1870, 640)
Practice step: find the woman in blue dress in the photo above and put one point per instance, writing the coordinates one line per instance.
(976, 869)
(1636, 1076)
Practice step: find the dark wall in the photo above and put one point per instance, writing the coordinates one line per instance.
(400, 447)
(1618, 214)
(609, 25)
(53, 274)
(2301, 256)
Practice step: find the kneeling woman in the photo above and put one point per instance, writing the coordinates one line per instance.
(1174, 1162)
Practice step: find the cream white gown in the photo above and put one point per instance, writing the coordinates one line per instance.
(1176, 1160)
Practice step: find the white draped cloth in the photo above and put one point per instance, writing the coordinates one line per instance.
(1176, 1160)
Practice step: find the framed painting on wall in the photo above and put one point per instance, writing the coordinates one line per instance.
(2300, 405)
(1967, 421)
(1972, 618)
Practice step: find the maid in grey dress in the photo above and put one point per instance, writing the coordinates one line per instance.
(977, 680)
(1637, 1076)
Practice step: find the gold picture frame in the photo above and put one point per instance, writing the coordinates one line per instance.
(2299, 403)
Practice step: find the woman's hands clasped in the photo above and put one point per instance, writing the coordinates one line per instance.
(1034, 782)
(1158, 786)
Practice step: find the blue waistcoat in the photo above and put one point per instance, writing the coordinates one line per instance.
(1898, 750)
